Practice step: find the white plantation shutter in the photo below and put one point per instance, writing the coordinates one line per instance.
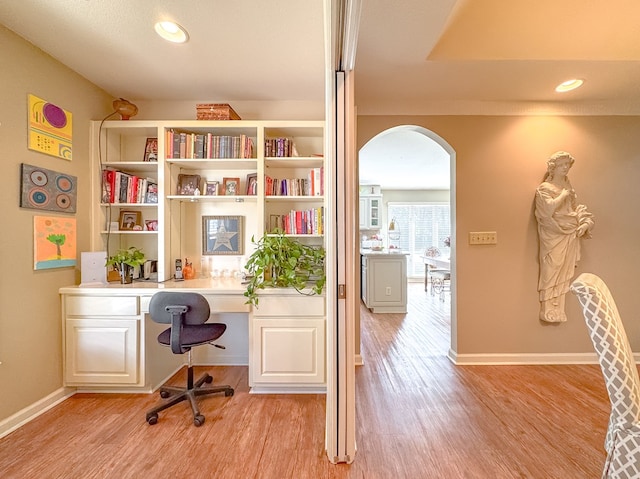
(421, 225)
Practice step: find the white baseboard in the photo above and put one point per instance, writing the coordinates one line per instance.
(522, 358)
(32, 411)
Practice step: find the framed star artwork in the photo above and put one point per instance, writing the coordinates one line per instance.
(222, 235)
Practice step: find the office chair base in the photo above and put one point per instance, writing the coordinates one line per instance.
(175, 395)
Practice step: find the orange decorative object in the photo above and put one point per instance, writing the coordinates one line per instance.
(125, 108)
(188, 271)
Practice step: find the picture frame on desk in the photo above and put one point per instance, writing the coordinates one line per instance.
(151, 150)
(222, 235)
(188, 184)
(230, 186)
(130, 221)
(211, 188)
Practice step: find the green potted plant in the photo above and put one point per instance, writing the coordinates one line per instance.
(281, 261)
(124, 262)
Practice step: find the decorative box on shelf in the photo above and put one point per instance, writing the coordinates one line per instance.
(215, 111)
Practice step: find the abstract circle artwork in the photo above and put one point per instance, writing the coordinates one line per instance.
(45, 189)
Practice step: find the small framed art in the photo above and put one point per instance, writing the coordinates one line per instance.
(252, 184)
(188, 184)
(211, 188)
(222, 235)
(151, 150)
(151, 225)
(131, 221)
(230, 186)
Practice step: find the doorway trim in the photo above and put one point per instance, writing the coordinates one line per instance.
(453, 348)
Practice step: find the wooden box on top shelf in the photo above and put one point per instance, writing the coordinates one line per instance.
(215, 111)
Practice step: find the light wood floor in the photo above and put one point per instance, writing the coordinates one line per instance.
(418, 416)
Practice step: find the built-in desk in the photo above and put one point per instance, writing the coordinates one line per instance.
(109, 342)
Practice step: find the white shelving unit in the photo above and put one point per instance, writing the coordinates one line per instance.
(120, 145)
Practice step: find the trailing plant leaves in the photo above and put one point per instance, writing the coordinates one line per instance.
(282, 261)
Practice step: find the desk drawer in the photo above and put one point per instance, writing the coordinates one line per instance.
(101, 306)
(227, 304)
(287, 306)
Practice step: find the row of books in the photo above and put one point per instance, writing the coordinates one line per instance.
(281, 147)
(121, 187)
(201, 146)
(299, 222)
(312, 185)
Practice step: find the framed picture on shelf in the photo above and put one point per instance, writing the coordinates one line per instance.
(211, 188)
(188, 184)
(252, 184)
(151, 196)
(151, 150)
(130, 221)
(151, 225)
(222, 235)
(230, 186)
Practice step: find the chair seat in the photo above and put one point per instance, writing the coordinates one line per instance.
(193, 335)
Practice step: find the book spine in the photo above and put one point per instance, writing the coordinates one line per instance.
(176, 145)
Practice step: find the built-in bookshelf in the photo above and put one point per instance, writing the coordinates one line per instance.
(269, 173)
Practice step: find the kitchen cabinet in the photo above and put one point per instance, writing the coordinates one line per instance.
(384, 282)
(370, 212)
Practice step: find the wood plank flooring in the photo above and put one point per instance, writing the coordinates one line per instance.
(418, 416)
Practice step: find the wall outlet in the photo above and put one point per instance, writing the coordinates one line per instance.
(388, 291)
(483, 237)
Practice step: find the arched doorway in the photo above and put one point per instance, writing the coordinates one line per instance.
(410, 161)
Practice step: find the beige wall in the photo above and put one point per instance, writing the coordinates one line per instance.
(500, 161)
(30, 326)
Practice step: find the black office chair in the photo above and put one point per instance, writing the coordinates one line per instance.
(187, 313)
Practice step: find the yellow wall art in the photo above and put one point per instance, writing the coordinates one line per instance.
(50, 128)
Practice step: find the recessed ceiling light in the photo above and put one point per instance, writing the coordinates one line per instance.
(569, 85)
(172, 32)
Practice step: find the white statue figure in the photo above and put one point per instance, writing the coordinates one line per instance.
(561, 224)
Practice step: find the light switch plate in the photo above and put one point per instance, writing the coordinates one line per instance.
(483, 237)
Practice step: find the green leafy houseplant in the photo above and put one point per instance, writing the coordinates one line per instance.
(124, 261)
(280, 261)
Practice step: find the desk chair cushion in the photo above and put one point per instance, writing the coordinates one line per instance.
(194, 335)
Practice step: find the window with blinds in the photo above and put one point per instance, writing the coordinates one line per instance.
(421, 225)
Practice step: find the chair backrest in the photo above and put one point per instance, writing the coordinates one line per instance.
(612, 347)
(198, 310)
(178, 309)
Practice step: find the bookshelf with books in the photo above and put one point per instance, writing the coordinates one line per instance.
(294, 180)
(127, 185)
(204, 168)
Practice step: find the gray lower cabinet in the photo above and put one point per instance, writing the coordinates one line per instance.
(384, 282)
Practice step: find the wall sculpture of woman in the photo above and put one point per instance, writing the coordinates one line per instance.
(562, 222)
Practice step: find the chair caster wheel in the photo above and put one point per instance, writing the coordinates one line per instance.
(153, 419)
(208, 379)
(228, 392)
(165, 394)
(198, 420)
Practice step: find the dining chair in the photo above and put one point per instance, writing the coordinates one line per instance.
(612, 347)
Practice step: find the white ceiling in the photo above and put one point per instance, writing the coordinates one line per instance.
(414, 57)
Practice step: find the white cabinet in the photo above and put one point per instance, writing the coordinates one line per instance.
(370, 212)
(101, 341)
(287, 344)
(384, 282)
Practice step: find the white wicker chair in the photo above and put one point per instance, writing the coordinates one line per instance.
(609, 338)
